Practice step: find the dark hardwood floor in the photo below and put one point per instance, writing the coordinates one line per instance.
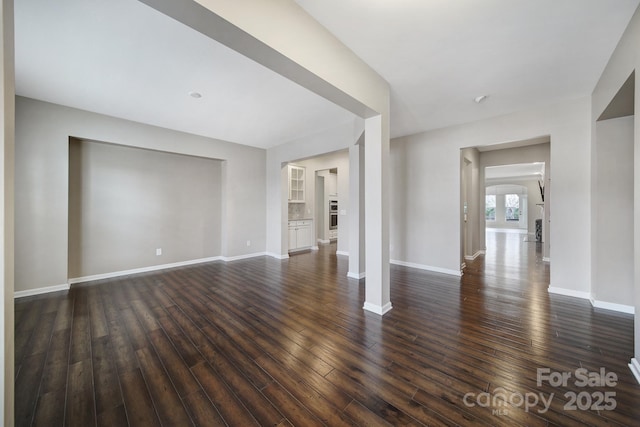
(269, 342)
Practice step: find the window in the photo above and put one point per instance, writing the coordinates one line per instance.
(490, 207)
(512, 207)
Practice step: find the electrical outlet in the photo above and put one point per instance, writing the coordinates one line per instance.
(158, 251)
(248, 242)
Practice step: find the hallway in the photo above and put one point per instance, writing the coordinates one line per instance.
(514, 255)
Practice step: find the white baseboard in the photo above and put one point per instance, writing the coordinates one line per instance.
(474, 256)
(629, 309)
(569, 293)
(277, 256)
(315, 248)
(356, 275)
(635, 368)
(39, 291)
(324, 242)
(377, 309)
(343, 253)
(427, 267)
(74, 280)
(622, 308)
(162, 267)
(239, 257)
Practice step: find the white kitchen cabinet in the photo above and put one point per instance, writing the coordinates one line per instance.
(305, 235)
(300, 234)
(296, 183)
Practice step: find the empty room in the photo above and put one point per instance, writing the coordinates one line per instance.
(297, 212)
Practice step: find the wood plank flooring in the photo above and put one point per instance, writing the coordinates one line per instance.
(270, 342)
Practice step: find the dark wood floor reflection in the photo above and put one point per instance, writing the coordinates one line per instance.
(269, 342)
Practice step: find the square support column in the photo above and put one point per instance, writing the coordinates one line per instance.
(356, 210)
(376, 158)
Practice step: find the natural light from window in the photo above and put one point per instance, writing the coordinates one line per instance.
(490, 207)
(512, 207)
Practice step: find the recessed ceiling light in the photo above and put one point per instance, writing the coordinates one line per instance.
(479, 99)
(195, 94)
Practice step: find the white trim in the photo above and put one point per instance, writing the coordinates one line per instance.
(324, 242)
(474, 256)
(296, 250)
(39, 291)
(629, 309)
(315, 248)
(377, 309)
(635, 368)
(427, 267)
(356, 275)
(509, 230)
(569, 293)
(239, 257)
(276, 256)
(343, 253)
(141, 270)
(546, 259)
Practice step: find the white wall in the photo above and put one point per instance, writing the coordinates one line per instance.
(7, 140)
(612, 264)
(425, 188)
(42, 175)
(625, 60)
(124, 203)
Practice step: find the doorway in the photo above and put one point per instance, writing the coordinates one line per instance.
(328, 205)
(470, 243)
(325, 203)
(511, 185)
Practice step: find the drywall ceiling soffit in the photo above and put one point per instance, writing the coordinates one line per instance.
(622, 105)
(515, 144)
(510, 180)
(124, 59)
(438, 55)
(505, 189)
(519, 172)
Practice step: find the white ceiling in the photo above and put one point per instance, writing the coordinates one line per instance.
(438, 55)
(124, 59)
